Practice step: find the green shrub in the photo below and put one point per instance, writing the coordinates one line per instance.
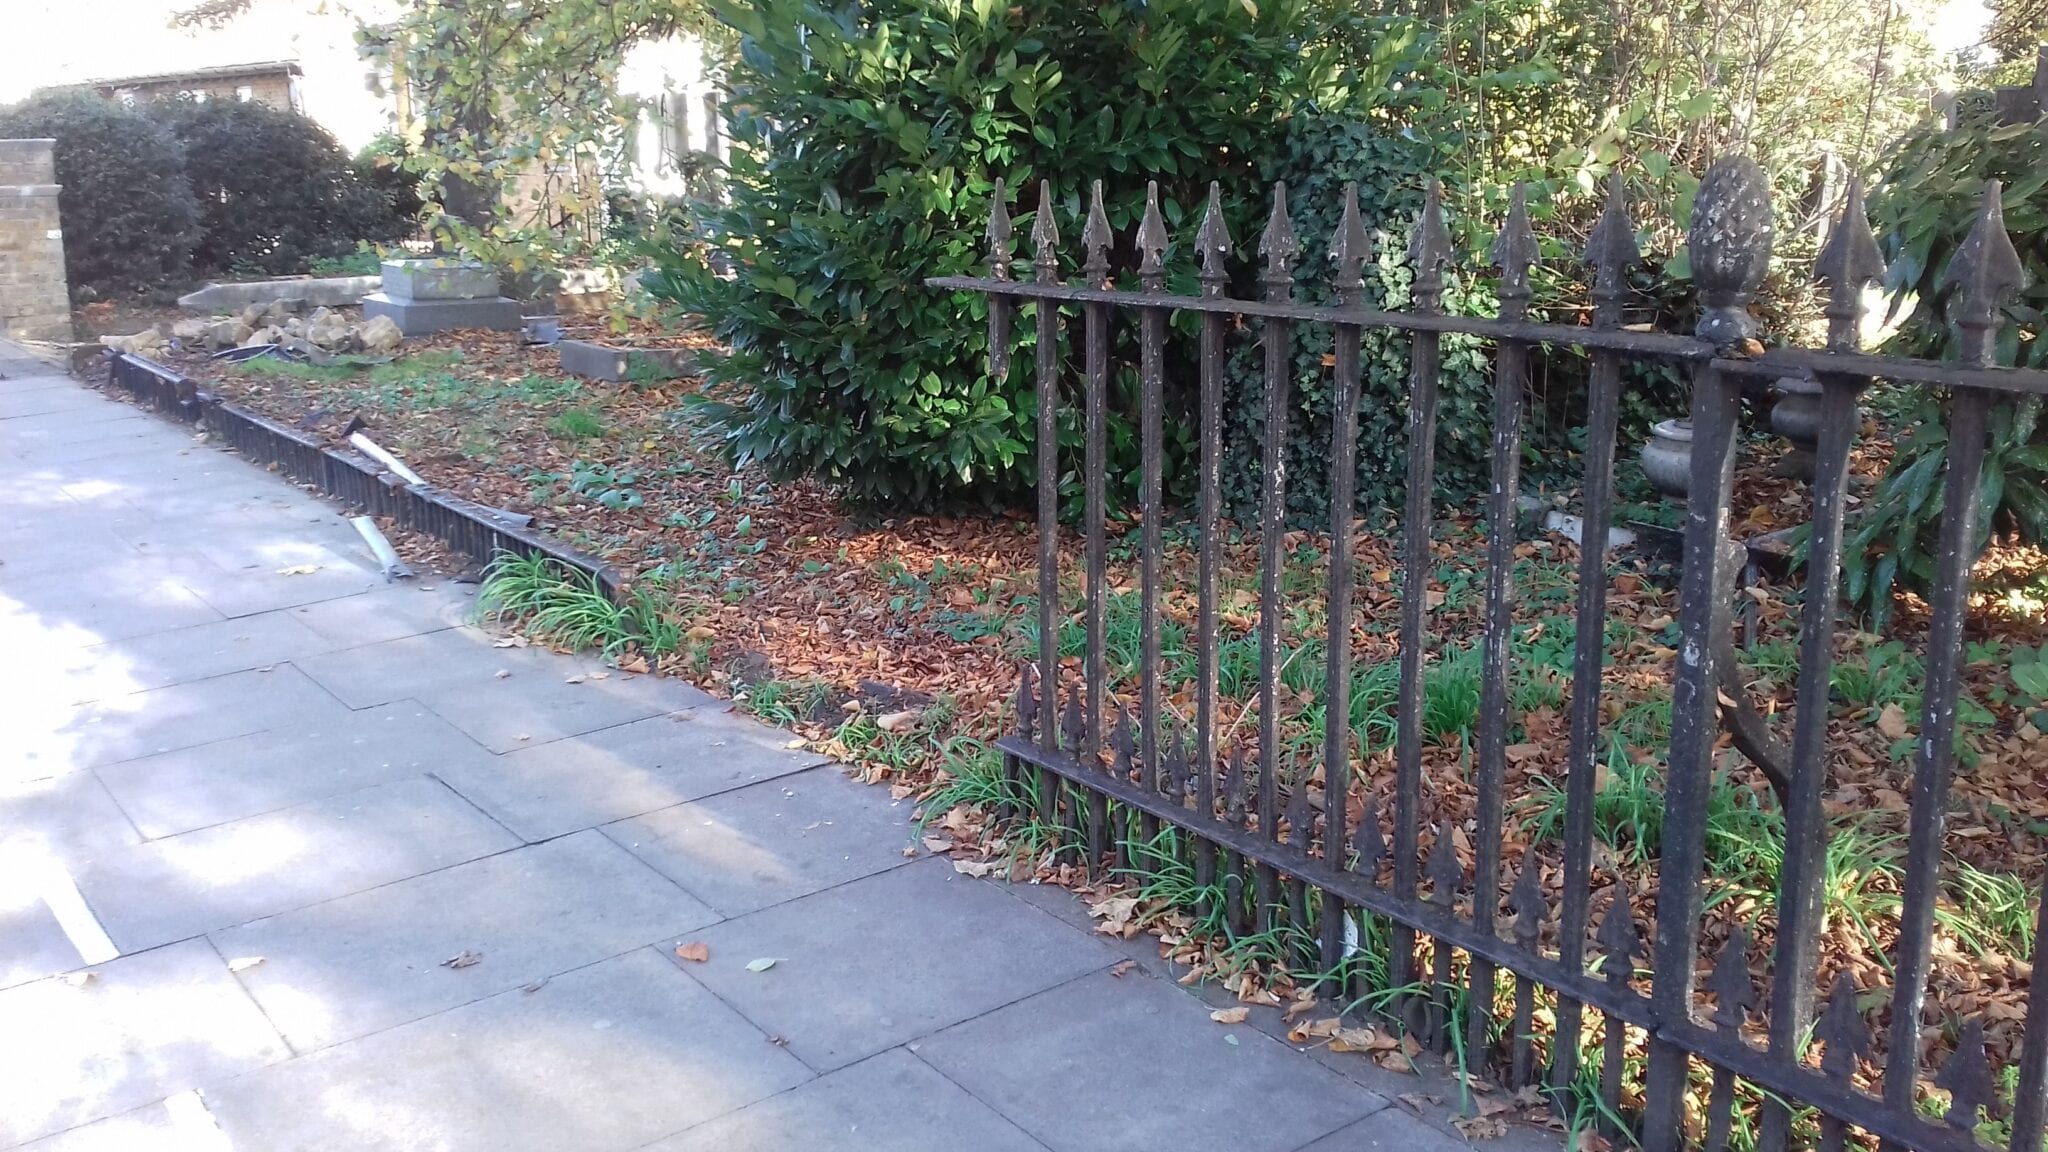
(1317, 155)
(380, 168)
(275, 191)
(1923, 210)
(129, 219)
(866, 146)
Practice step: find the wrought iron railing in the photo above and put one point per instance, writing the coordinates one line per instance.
(1249, 816)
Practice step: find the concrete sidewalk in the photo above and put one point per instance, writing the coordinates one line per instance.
(253, 800)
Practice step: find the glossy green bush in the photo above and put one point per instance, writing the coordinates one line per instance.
(1922, 211)
(866, 147)
(129, 219)
(275, 191)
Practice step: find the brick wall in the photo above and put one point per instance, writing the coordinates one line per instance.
(34, 300)
(272, 88)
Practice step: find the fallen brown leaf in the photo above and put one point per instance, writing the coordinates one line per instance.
(1230, 1015)
(695, 950)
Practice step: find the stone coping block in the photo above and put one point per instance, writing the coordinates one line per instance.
(439, 279)
(317, 291)
(424, 317)
(594, 361)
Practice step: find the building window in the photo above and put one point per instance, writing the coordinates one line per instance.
(195, 95)
(245, 93)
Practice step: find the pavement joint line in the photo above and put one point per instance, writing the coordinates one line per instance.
(81, 927)
(193, 1125)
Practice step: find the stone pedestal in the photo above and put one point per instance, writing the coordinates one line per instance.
(426, 296)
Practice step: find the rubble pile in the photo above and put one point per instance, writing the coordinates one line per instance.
(315, 335)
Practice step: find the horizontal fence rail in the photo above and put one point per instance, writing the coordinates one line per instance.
(1275, 837)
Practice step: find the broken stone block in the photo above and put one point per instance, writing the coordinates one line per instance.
(380, 334)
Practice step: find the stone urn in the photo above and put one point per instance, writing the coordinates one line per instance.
(1796, 417)
(1667, 458)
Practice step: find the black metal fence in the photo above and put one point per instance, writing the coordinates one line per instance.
(1253, 827)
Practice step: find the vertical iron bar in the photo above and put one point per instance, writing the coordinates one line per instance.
(1984, 274)
(1611, 250)
(1152, 449)
(1213, 248)
(2030, 1099)
(1934, 760)
(1427, 252)
(1046, 265)
(1703, 618)
(1349, 249)
(1850, 260)
(1097, 317)
(1513, 252)
(1730, 242)
(1280, 247)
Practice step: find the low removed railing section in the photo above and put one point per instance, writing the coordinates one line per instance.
(469, 528)
(1287, 841)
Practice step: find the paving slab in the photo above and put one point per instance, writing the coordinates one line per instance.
(58, 738)
(150, 1128)
(145, 1026)
(102, 670)
(390, 612)
(1394, 1130)
(362, 963)
(1108, 1063)
(414, 666)
(768, 843)
(228, 874)
(326, 754)
(59, 539)
(127, 597)
(547, 789)
(893, 1101)
(70, 818)
(273, 570)
(32, 943)
(550, 706)
(868, 965)
(612, 1056)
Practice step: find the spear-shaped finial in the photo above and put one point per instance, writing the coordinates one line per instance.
(1611, 250)
(999, 234)
(1840, 1028)
(1152, 241)
(1527, 899)
(1967, 1076)
(1619, 942)
(1514, 253)
(1096, 239)
(1027, 706)
(1045, 237)
(1300, 814)
(1279, 245)
(1173, 772)
(1350, 248)
(1372, 843)
(1734, 992)
(1073, 723)
(1982, 278)
(1213, 244)
(1444, 869)
(1429, 249)
(1123, 744)
(1848, 261)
